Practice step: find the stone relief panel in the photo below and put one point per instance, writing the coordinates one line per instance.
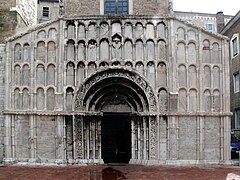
(161, 32)
(92, 50)
(51, 99)
(180, 34)
(69, 98)
(40, 96)
(207, 77)
(18, 53)
(104, 29)
(116, 29)
(40, 75)
(26, 99)
(192, 53)
(139, 50)
(116, 47)
(25, 75)
(139, 31)
(192, 100)
(70, 79)
(216, 101)
(26, 53)
(182, 100)
(40, 52)
(51, 51)
(70, 30)
(182, 76)
(80, 72)
(52, 33)
(150, 50)
(216, 77)
(92, 31)
(70, 50)
(17, 75)
(181, 53)
(17, 102)
(51, 74)
(153, 138)
(81, 51)
(163, 100)
(91, 68)
(206, 52)
(149, 31)
(128, 31)
(81, 31)
(161, 75)
(104, 50)
(191, 35)
(128, 50)
(162, 50)
(192, 76)
(207, 101)
(216, 54)
(151, 76)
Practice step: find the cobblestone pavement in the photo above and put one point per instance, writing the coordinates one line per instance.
(105, 172)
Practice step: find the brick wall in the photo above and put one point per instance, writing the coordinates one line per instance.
(150, 7)
(83, 7)
(92, 7)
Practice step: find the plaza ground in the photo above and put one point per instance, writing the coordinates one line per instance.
(106, 172)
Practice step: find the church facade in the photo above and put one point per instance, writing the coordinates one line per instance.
(117, 82)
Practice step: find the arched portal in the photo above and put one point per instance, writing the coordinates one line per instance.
(115, 116)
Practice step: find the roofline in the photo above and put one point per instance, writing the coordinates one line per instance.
(231, 22)
(201, 13)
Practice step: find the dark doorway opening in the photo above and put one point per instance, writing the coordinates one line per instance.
(116, 138)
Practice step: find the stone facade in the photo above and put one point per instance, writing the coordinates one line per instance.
(139, 89)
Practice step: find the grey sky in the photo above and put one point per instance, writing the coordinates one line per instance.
(229, 7)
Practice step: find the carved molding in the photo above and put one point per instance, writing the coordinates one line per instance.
(132, 76)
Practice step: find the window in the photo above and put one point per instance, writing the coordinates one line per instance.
(45, 12)
(119, 7)
(211, 27)
(236, 82)
(237, 118)
(234, 46)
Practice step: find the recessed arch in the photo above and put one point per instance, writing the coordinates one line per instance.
(130, 85)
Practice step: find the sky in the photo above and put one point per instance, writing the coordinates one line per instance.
(229, 7)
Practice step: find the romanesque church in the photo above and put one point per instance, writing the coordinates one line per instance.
(116, 81)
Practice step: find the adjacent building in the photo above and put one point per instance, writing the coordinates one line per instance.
(232, 30)
(211, 22)
(116, 81)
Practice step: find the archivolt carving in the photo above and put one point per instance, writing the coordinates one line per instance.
(79, 104)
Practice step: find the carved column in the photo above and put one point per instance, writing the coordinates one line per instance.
(78, 137)
(153, 138)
